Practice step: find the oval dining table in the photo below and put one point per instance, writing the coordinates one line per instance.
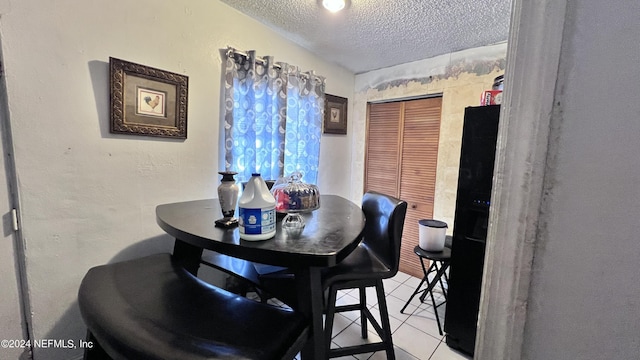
(331, 233)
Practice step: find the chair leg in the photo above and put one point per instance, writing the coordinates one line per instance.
(386, 325)
(329, 316)
(433, 268)
(382, 328)
(435, 312)
(363, 318)
(444, 274)
(417, 290)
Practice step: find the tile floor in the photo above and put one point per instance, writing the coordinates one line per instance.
(415, 332)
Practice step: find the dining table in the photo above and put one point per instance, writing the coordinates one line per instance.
(331, 233)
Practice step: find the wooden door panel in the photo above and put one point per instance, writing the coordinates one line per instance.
(401, 159)
(382, 149)
(410, 263)
(418, 172)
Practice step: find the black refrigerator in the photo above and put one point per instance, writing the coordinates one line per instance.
(479, 135)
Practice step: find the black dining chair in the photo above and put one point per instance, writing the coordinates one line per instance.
(152, 308)
(376, 258)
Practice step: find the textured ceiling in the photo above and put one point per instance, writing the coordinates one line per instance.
(373, 34)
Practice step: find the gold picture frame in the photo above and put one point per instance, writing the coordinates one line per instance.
(335, 115)
(147, 101)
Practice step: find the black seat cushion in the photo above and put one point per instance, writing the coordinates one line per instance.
(375, 258)
(151, 308)
(361, 264)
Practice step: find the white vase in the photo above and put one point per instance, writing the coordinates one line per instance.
(228, 193)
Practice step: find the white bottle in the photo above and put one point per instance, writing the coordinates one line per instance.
(257, 211)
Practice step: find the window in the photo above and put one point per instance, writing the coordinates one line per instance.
(273, 118)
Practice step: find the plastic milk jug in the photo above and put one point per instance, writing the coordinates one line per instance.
(257, 211)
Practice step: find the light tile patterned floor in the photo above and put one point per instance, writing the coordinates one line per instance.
(415, 333)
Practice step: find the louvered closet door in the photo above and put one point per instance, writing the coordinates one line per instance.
(401, 155)
(382, 153)
(418, 172)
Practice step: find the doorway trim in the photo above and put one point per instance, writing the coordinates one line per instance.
(533, 55)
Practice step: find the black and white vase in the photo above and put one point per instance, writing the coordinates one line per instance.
(228, 193)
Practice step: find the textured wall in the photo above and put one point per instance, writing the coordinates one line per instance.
(88, 197)
(460, 78)
(584, 298)
(10, 315)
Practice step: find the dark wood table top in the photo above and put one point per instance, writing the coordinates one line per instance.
(330, 234)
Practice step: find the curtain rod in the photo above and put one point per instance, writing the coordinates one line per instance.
(260, 60)
(233, 51)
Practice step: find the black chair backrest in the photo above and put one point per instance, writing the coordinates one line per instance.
(383, 229)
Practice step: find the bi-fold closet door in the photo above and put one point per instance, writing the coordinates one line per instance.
(401, 161)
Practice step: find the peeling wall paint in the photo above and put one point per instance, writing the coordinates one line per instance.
(477, 67)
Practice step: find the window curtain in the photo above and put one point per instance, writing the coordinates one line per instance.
(273, 118)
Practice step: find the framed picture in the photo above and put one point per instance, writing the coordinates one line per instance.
(147, 101)
(335, 115)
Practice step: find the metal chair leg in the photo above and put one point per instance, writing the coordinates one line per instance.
(386, 325)
(330, 315)
(363, 317)
(424, 279)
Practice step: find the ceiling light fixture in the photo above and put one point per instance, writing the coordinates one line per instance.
(333, 5)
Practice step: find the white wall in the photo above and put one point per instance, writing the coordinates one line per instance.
(10, 313)
(88, 197)
(584, 299)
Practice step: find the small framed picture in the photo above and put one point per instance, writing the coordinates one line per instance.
(147, 101)
(335, 114)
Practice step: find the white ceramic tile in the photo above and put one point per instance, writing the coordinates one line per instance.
(390, 285)
(438, 286)
(444, 352)
(340, 322)
(401, 277)
(345, 358)
(400, 355)
(403, 292)
(372, 296)
(425, 306)
(425, 321)
(438, 297)
(394, 305)
(415, 336)
(437, 292)
(415, 342)
(393, 322)
(352, 336)
(342, 293)
(347, 300)
(363, 356)
(413, 281)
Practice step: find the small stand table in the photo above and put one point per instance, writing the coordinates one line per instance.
(439, 264)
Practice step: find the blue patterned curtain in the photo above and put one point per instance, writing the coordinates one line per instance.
(305, 109)
(273, 118)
